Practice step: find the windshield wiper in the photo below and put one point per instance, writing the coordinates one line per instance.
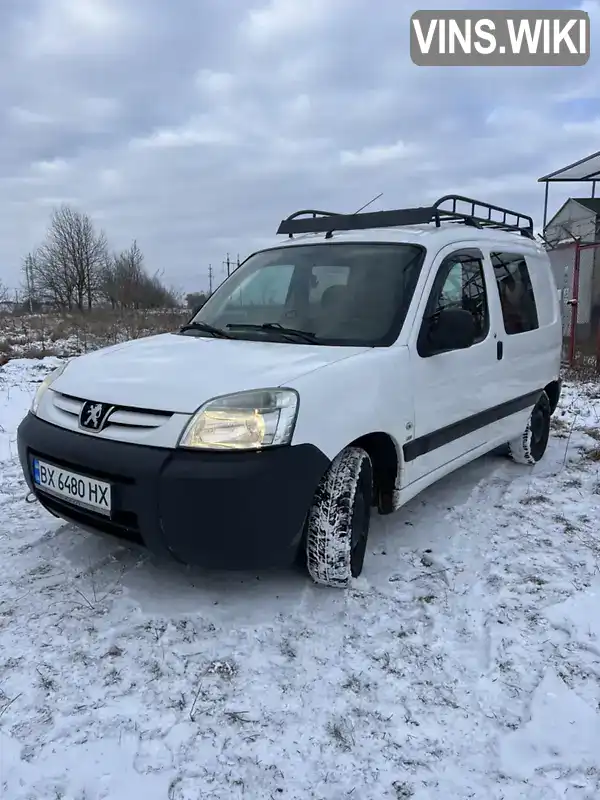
(204, 326)
(307, 336)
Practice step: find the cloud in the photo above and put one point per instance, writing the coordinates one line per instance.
(26, 117)
(55, 166)
(281, 20)
(196, 133)
(71, 27)
(375, 155)
(196, 127)
(215, 84)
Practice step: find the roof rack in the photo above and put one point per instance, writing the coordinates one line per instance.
(478, 215)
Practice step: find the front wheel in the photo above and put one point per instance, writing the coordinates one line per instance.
(530, 447)
(339, 520)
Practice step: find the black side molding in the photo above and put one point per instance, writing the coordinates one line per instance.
(435, 439)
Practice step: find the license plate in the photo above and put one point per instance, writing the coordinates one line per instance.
(73, 487)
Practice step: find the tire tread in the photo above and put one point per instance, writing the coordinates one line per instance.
(329, 533)
(520, 449)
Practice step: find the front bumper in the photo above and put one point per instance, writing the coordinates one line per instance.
(214, 510)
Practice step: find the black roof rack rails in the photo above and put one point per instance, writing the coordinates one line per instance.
(521, 223)
(327, 222)
(478, 215)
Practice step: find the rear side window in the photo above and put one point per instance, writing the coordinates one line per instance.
(516, 293)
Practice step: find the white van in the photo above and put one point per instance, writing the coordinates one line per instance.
(341, 370)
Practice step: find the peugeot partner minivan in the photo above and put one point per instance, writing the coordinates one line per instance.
(339, 371)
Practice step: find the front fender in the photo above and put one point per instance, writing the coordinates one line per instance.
(370, 392)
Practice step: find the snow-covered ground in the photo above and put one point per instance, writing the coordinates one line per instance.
(464, 664)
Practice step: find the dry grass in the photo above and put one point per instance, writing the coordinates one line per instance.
(586, 367)
(594, 433)
(593, 455)
(39, 335)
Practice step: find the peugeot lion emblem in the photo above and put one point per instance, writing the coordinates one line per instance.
(94, 416)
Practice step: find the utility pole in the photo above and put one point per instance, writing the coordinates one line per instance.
(228, 263)
(29, 280)
(210, 279)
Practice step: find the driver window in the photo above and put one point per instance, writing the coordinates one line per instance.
(460, 283)
(451, 294)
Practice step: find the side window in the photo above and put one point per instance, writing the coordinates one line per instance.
(460, 283)
(516, 293)
(451, 293)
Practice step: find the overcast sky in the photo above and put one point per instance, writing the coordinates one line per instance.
(195, 126)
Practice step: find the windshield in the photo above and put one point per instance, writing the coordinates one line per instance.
(330, 294)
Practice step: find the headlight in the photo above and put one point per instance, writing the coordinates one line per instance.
(45, 384)
(244, 421)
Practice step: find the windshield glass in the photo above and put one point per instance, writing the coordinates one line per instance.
(338, 294)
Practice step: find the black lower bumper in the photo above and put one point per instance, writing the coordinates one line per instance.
(215, 510)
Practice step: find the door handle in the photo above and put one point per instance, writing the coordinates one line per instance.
(499, 350)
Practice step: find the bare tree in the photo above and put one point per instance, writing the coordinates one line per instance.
(122, 276)
(67, 268)
(127, 285)
(73, 269)
(154, 294)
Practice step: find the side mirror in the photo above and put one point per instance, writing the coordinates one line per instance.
(451, 329)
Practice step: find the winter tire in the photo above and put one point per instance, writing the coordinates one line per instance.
(339, 520)
(531, 446)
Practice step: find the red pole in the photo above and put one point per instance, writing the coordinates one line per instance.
(574, 302)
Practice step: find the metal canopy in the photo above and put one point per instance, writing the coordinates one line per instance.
(586, 170)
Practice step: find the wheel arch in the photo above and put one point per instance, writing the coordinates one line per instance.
(386, 461)
(553, 392)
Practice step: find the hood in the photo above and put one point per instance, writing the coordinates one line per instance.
(176, 373)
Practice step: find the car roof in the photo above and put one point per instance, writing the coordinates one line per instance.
(428, 236)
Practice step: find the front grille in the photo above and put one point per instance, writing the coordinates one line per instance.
(122, 418)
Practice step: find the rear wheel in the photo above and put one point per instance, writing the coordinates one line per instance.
(339, 520)
(531, 446)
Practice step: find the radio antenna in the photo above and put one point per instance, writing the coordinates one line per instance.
(369, 203)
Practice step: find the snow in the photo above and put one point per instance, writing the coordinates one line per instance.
(563, 732)
(18, 381)
(464, 663)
